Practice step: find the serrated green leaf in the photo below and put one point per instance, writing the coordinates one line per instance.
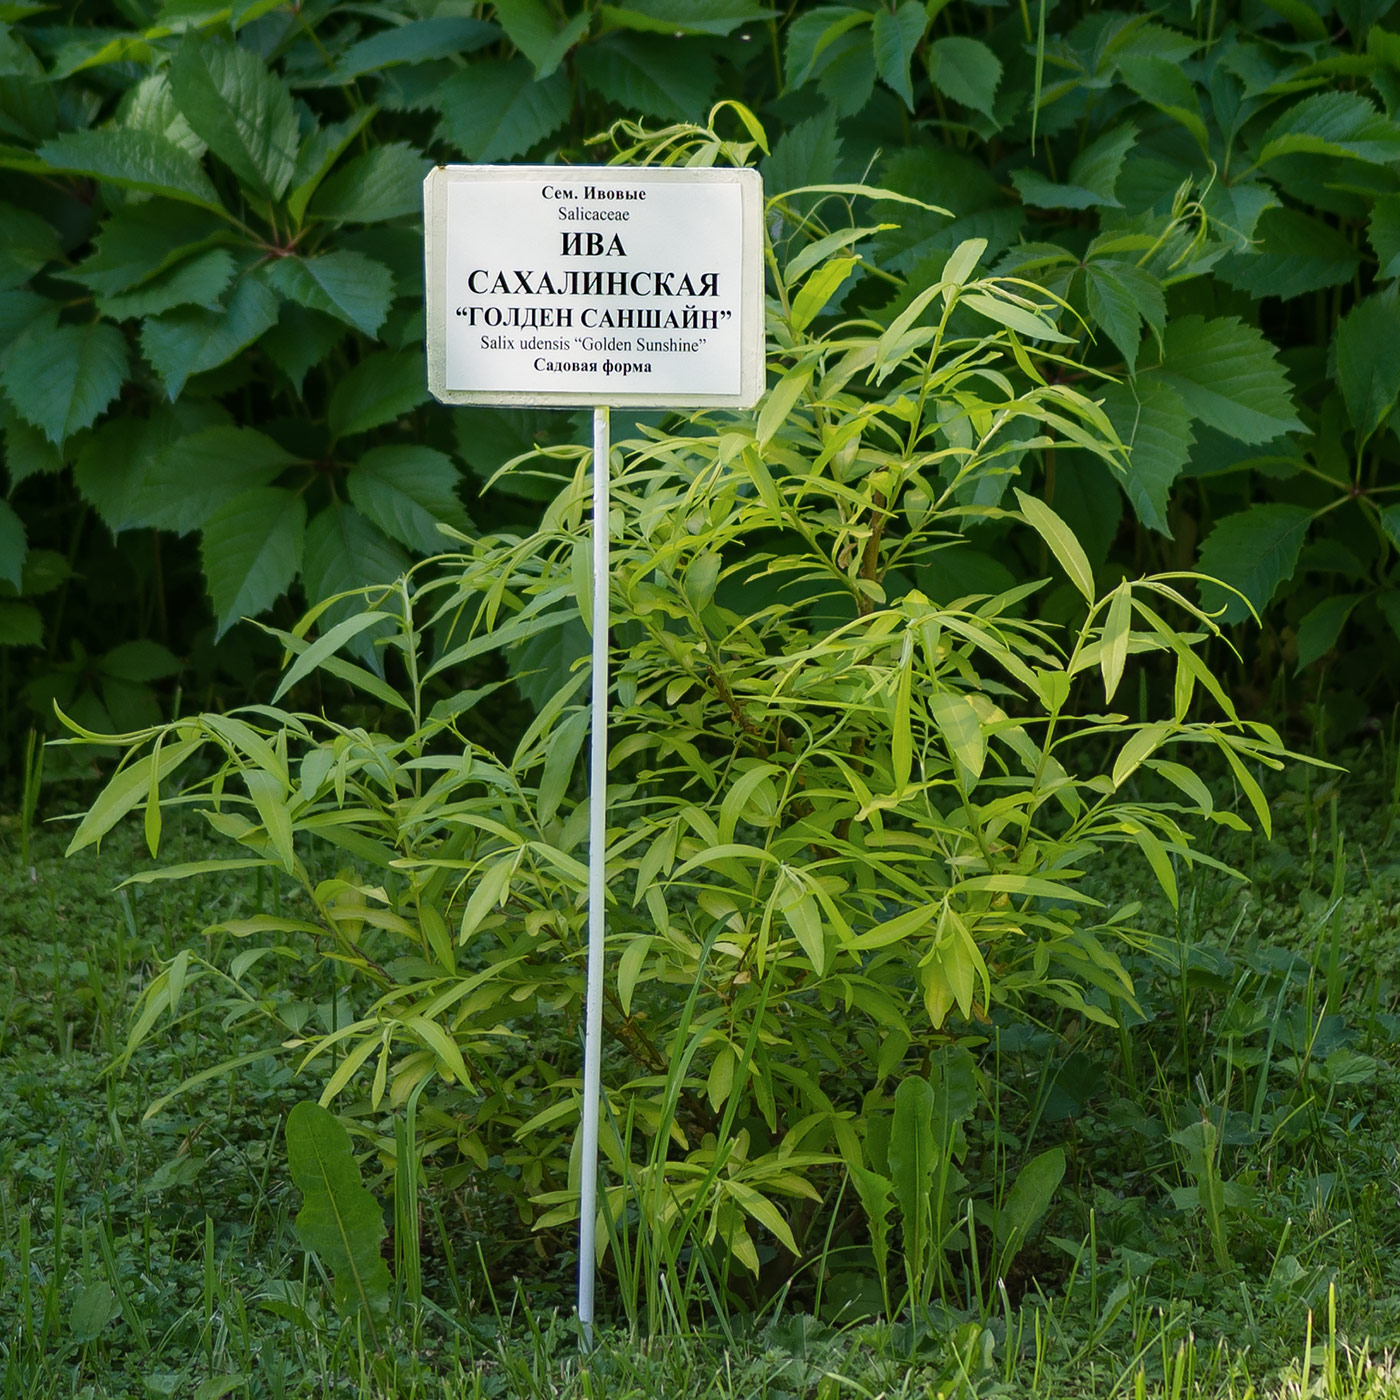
(141, 242)
(344, 551)
(1117, 294)
(151, 106)
(1229, 377)
(240, 110)
(319, 152)
(199, 281)
(340, 283)
(1096, 168)
(20, 625)
(385, 182)
(186, 482)
(1384, 233)
(639, 73)
(716, 17)
(1319, 628)
(339, 1219)
(965, 70)
(1254, 551)
(1152, 422)
(1366, 351)
(531, 27)
(493, 109)
(60, 380)
(1336, 124)
(1291, 254)
(406, 491)
(1166, 86)
(190, 341)
(14, 545)
(251, 548)
(895, 35)
(811, 35)
(135, 160)
(381, 388)
(27, 243)
(411, 43)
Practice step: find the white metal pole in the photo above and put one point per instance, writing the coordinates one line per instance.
(597, 881)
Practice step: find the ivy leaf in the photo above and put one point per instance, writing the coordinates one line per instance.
(965, 70)
(189, 342)
(1229, 376)
(530, 27)
(1152, 421)
(640, 73)
(1254, 551)
(493, 110)
(1336, 124)
(135, 160)
(251, 549)
(1319, 629)
(381, 388)
(349, 285)
(1291, 254)
(199, 281)
(186, 482)
(406, 491)
(385, 182)
(245, 114)
(896, 35)
(14, 545)
(1366, 351)
(1384, 233)
(60, 380)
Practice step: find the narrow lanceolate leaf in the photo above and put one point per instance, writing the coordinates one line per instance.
(913, 1156)
(1367, 351)
(385, 182)
(190, 341)
(406, 491)
(240, 110)
(186, 482)
(1113, 653)
(136, 160)
(251, 549)
(381, 388)
(1253, 551)
(1150, 418)
(345, 284)
(1229, 377)
(60, 380)
(819, 289)
(896, 35)
(339, 1219)
(1061, 541)
(495, 110)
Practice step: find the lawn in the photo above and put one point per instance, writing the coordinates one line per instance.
(1228, 1224)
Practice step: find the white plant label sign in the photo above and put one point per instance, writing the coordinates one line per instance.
(588, 285)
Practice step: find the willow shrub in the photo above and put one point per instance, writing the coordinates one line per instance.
(850, 828)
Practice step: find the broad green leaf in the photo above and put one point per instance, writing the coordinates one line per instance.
(812, 33)
(200, 281)
(190, 341)
(184, 483)
(250, 549)
(141, 241)
(384, 182)
(151, 106)
(1254, 551)
(819, 289)
(1229, 377)
(1384, 233)
(240, 109)
(1291, 254)
(319, 152)
(406, 491)
(803, 156)
(714, 17)
(300, 340)
(339, 1219)
(639, 73)
(1061, 541)
(1097, 167)
(493, 109)
(14, 545)
(895, 35)
(382, 387)
(135, 160)
(965, 70)
(94, 1307)
(1151, 420)
(1120, 297)
(20, 625)
(531, 27)
(340, 283)
(344, 551)
(913, 1159)
(110, 466)
(1027, 1202)
(1367, 356)
(1166, 86)
(27, 451)
(1320, 628)
(1336, 124)
(27, 243)
(60, 380)
(411, 43)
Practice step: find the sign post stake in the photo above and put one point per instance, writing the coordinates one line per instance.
(597, 880)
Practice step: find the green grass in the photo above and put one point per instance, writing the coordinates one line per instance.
(1229, 1227)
